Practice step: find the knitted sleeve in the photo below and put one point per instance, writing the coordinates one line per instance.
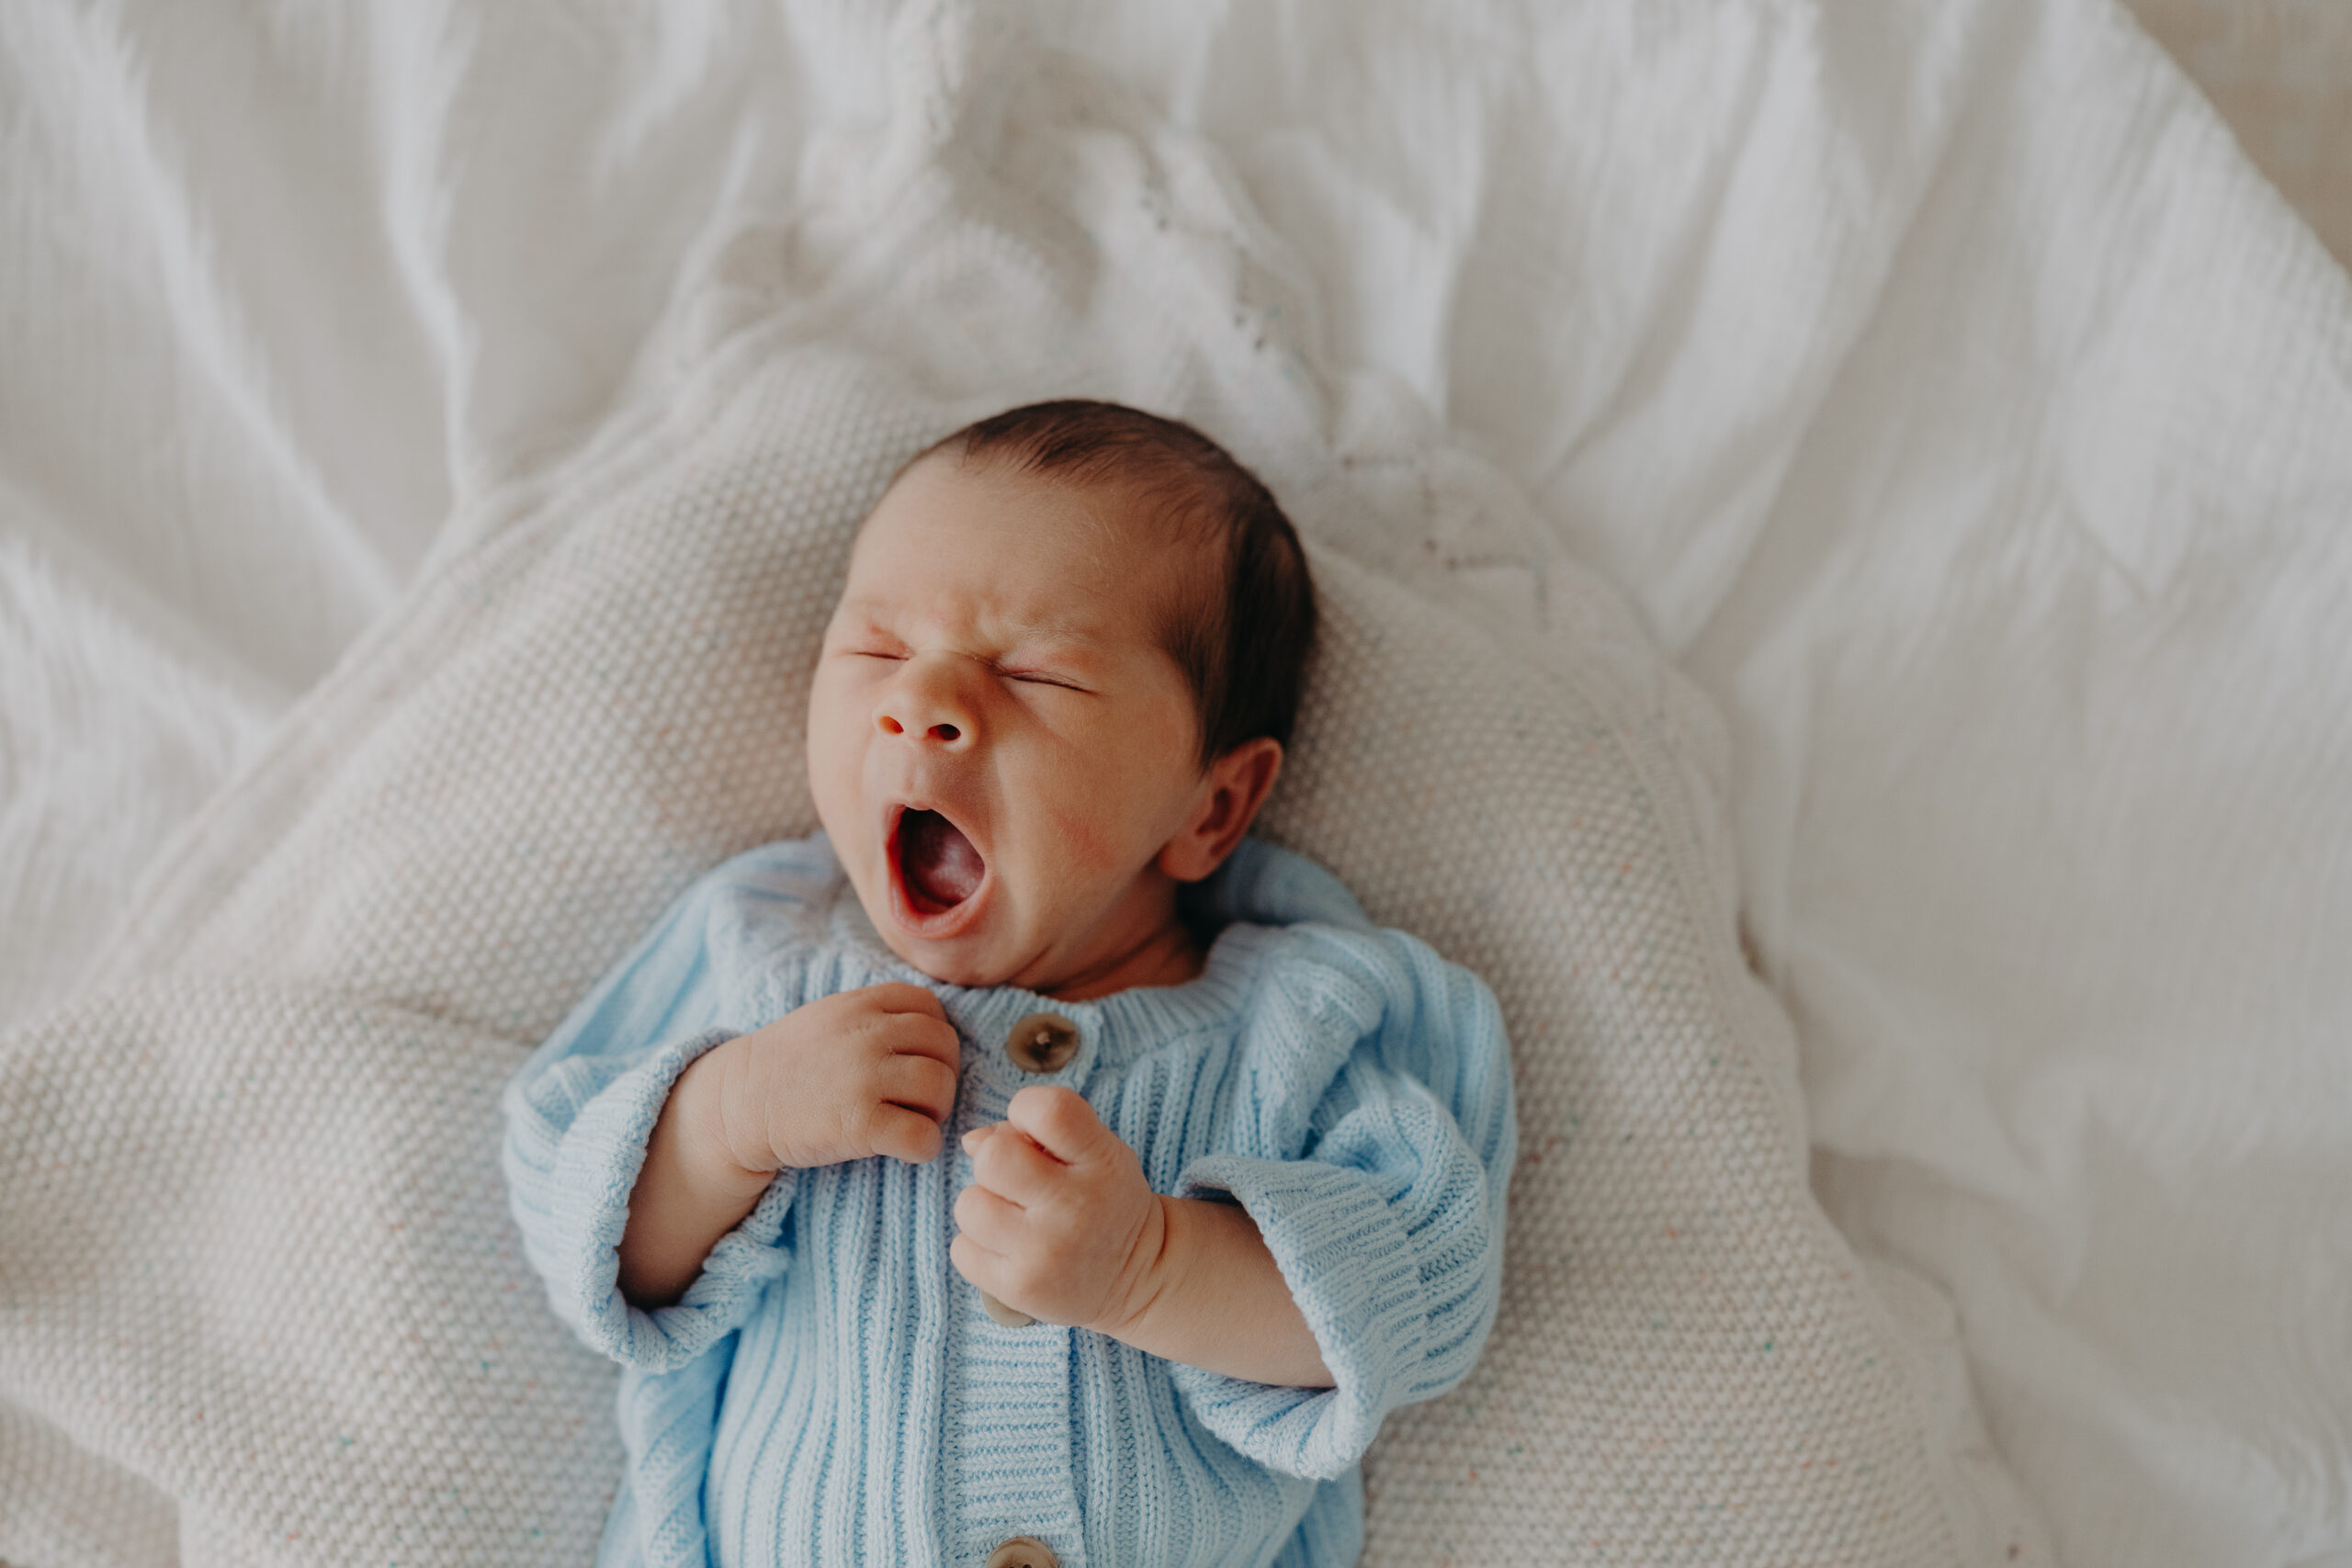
(1388, 1228)
(580, 1112)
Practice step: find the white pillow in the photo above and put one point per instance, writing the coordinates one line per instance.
(259, 1255)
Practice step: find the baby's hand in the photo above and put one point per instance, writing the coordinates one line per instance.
(858, 1073)
(1058, 1222)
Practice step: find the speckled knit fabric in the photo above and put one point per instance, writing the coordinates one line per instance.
(260, 1298)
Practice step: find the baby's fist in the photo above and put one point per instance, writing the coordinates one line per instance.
(849, 1076)
(1058, 1220)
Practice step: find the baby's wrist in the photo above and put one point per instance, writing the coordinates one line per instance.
(716, 1151)
(1142, 1298)
(1214, 1297)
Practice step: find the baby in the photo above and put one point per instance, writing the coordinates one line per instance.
(1029, 1168)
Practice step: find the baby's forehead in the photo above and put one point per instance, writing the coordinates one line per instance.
(1136, 527)
(1142, 500)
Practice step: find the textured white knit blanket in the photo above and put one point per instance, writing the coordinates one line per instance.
(263, 1302)
(261, 1299)
(263, 1279)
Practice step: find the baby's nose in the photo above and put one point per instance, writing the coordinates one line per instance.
(942, 732)
(925, 703)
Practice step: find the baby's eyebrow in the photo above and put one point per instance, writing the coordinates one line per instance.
(1054, 635)
(1051, 632)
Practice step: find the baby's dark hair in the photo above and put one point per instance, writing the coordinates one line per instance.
(1243, 650)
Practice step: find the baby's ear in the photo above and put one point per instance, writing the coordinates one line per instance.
(1230, 793)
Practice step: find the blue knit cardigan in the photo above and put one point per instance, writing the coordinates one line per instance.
(830, 1390)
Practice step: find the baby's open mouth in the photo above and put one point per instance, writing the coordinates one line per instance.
(936, 862)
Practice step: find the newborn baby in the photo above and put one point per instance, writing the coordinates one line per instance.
(1028, 1169)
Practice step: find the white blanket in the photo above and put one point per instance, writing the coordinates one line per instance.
(1962, 411)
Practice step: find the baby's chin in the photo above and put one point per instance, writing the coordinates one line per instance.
(974, 958)
(941, 962)
(979, 960)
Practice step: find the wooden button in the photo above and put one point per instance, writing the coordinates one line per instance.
(1012, 1317)
(1042, 1042)
(1023, 1551)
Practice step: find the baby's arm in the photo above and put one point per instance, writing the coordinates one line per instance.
(1060, 1223)
(1219, 1302)
(859, 1073)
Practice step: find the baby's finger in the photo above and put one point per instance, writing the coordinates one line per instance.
(901, 1134)
(902, 995)
(977, 1263)
(988, 1218)
(911, 1034)
(1011, 1165)
(919, 1083)
(1062, 1123)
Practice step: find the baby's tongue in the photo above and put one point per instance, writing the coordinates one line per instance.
(940, 863)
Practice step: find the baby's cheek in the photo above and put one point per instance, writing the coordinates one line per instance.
(836, 780)
(1090, 841)
(836, 801)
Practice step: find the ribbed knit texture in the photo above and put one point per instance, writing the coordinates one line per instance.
(829, 1389)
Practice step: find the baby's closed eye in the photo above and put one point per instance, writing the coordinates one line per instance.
(1041, 678)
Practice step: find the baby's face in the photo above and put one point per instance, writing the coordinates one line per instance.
(999, 747)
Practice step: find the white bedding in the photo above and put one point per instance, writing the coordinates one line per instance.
(1965, 414)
